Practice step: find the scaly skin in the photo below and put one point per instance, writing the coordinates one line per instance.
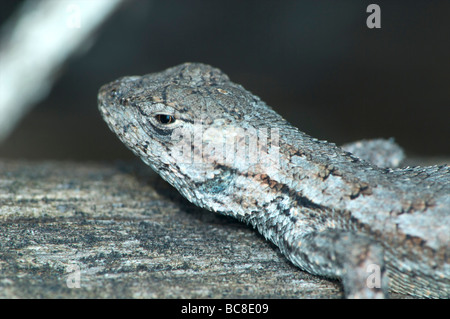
(330, 212)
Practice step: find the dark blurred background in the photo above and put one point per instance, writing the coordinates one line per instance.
(315, 62)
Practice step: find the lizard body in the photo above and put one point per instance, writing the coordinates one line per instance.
(331, 213)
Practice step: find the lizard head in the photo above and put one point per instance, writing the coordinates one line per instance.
(178, 121)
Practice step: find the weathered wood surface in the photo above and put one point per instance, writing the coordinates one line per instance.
(125, 233)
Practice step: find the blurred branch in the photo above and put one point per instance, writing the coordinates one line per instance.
(35, 43)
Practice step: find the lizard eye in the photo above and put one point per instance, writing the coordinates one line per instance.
(165, 119)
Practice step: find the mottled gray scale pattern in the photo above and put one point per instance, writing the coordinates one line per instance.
(331, 212)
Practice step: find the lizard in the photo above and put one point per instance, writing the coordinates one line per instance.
(330, 212)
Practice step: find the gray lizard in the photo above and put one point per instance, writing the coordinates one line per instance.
(330, 212)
